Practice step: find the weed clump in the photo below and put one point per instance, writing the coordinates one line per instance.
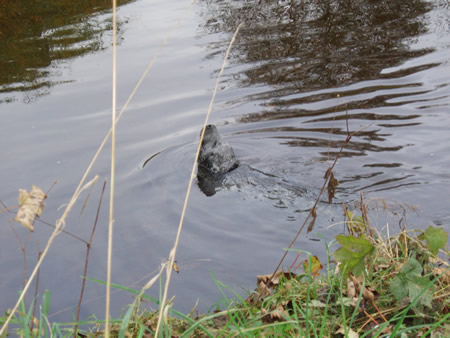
(369, 287)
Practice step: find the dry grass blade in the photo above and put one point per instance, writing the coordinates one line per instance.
(180, 225)
(113, 167)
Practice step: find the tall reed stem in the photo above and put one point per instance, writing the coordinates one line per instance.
(113, 167)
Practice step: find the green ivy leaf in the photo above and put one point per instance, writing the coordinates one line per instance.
(436, 238)
(353, 252)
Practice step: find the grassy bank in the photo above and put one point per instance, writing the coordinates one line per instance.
(370, 286)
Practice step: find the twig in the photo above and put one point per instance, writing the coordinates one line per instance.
(88, 248)
(63, 231)
(42, 221)
(191, 180)
(378, 310)
(295, 261)
(371, 317)
(55, 182)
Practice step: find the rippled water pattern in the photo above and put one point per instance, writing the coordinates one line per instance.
(299, 75)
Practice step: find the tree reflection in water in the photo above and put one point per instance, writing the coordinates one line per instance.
(38, 35)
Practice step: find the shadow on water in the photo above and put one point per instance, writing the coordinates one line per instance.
(37, 36)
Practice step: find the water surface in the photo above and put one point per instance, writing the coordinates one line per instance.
(297, 75)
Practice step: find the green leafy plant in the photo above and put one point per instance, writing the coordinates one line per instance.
(409, 282)
(436, 238)
(353, 253)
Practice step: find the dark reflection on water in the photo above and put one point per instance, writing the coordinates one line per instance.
(320, 63)
(309, 45)
(299, 47)
(37, 35)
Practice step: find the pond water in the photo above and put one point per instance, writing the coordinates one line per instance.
(298, 73)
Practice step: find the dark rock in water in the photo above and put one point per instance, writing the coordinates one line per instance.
(215, 160)
(218, 169)
(216, 156)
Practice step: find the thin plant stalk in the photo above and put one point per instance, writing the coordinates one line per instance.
(88, 246)
(22, 248)
(113, 166)
(191, 180)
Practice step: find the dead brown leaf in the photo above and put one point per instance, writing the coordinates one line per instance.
(366, 293)
(275, 280)
(31, 205)
(263, 290)
(351, 290)
(332, 184)
(277, 313)
(349, 334)
(280, 313)
(313, 220)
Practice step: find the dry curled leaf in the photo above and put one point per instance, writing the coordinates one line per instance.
(350, 333)
(366, 293)
(263, 290)
(332, 184)
(351, 290)
(313, 220)
(31, 205)
(275, 280)
(279, 314)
